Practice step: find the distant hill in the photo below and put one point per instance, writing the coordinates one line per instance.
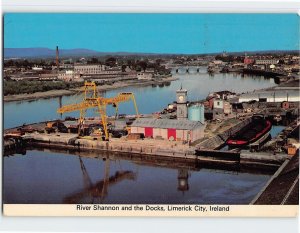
(45, 52)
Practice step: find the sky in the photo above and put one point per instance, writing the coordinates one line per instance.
(153, 33)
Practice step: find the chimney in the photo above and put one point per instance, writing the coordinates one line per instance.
(57, 59)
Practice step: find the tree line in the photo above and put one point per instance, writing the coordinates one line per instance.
(21, 87)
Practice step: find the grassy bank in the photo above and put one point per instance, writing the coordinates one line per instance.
(34, 89)
(28, 87)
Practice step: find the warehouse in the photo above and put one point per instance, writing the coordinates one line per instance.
(271, 96)
(179, 130)
(89, 68)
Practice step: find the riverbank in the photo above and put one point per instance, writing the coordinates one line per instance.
(59, 93)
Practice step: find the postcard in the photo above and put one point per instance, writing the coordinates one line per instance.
(110, 114)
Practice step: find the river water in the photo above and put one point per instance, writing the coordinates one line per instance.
(149, 99)
(52, 177)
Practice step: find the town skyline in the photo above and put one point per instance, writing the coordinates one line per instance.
(10, 53)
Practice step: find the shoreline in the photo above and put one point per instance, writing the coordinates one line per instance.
(117, 85)
(60, 93)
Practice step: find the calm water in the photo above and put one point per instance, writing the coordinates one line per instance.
(276, 129)
(48, 177)
(149, 99)
(44, 177)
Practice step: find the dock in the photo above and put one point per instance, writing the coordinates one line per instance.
(159, 149)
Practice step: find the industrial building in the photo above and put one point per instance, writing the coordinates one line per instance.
(173, 130)
(68, 75)
(188, 127)
(271, 96)
(89, 69)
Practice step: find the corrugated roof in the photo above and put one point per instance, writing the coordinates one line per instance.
(166, 123)
(270, 94)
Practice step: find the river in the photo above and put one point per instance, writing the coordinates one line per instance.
(149, 99)
(53, 178)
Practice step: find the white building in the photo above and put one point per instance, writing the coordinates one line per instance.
(218, 62)
(222, 106)
(144, 76)
(89, 69)
(37, 68)
(68, 75)
(271, 96)
(219, 104)
(266, 62)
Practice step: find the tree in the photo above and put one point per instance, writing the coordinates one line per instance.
(93, 61)
(41, 63)
(158, 61)
(111, 61)
(131, 63)
(143, 65)
(26, 63)
(124, 68)
(9, 63)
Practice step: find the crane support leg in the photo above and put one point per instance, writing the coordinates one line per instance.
(81, 120)
(117, 111)
(135, 106)
(102, 110)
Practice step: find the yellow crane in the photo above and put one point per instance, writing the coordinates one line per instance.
(92, 100)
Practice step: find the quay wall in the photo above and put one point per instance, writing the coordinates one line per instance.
(157, 148)
(262, 72)
(128, 146)
(169, 152)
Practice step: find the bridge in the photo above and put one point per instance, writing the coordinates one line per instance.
(187, 69)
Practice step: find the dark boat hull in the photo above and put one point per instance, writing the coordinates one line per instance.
(253, 134)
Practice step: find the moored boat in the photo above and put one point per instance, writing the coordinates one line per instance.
(255, 132)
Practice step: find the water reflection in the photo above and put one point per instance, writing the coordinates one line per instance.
(96, 193)
(52, 177)
(183, 180)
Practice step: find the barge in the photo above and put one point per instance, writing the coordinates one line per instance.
(254, 133)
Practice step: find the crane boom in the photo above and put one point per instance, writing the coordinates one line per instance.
(95, 102)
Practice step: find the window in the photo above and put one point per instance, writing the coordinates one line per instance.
(262, 100)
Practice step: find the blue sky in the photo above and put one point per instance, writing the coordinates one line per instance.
(157, 33)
